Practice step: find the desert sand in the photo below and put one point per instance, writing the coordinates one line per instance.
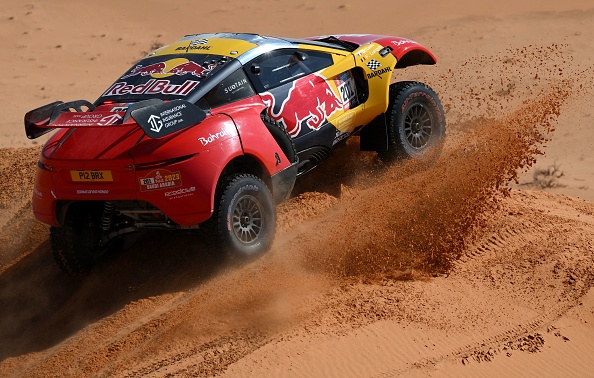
(479, 265)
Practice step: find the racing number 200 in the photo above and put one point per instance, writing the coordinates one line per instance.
(346, 91)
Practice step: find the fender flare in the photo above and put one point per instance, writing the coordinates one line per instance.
(408, 52)
(413, 57)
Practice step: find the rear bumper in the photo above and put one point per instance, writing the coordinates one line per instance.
(183, 191)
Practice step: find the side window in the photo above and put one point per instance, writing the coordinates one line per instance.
(278, 67)
(233, 88)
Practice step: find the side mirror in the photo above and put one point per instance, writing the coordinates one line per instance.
(255, 69)
(301, 56)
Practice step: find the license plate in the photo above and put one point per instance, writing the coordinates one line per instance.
(93, 176)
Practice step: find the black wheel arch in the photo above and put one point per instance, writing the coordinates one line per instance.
(280, 184)
(413, 58)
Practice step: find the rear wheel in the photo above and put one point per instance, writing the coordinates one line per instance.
(246, 218)
(416, 122)
(76, 245)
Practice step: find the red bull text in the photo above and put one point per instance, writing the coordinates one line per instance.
(151, 87)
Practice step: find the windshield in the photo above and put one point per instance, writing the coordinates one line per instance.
(165, 77)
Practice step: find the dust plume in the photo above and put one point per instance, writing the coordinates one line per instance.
(419, 217)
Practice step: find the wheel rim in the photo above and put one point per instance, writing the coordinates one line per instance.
(247, 219)
(418, 125)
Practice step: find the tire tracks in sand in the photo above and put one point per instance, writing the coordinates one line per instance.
(525, 239)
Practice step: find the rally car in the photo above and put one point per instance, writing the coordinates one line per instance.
(213, 131)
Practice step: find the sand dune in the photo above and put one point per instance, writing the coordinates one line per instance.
(480, 265)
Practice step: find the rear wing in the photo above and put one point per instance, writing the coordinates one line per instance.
(155, 117)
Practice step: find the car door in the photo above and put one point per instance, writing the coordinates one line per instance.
(297, 94)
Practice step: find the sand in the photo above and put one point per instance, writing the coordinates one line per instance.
(480, 265)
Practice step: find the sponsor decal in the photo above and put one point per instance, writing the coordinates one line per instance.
(178, 67)
(309, 102)
(92, 119)
(402, 42)
(119, 109)
(85, 116)
(340, 137)
(109, 120)
(193, 48)
(197, 44)
(345, 121)
(83, 119)
(235, 86)
(212, 137)
(151, 87)
(160, 179)
(167, 118)
(180, 193)
(92, 191)
(379, 72)
(373, 64)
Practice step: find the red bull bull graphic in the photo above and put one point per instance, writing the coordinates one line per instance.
(151, 69)
(309, 101)
(191, 68)
(161, 69)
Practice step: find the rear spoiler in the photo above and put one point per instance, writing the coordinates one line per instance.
(157, 118)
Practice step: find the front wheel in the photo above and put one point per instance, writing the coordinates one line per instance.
(246, 218)
(416, 122)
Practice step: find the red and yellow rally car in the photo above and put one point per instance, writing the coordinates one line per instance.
(215, 129)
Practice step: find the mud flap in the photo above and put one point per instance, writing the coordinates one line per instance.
(283, 183)
(374, 136)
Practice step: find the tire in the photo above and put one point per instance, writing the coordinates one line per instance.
(76, 246)
(415, 121)
(246, 217)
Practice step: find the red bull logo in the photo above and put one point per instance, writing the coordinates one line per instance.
(310, 102)
(191, 68)
(146, 70)
(178, 67)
